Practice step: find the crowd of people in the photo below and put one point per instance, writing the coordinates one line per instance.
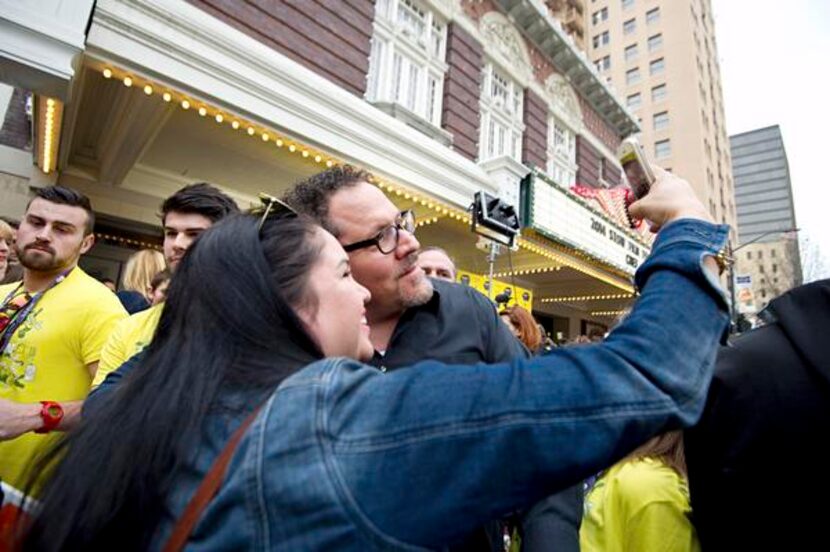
(313, 379)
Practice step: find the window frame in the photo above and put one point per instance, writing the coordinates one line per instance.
(562, 167)
(502, 122)
(405, 69)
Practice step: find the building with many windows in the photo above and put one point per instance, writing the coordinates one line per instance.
(128, 100)
(661, 56)
(769, 251)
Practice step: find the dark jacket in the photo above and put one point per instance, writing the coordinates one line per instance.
(459, 325)
(757, 476)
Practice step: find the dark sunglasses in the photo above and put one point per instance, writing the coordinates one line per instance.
(387, 239)
(271, 206)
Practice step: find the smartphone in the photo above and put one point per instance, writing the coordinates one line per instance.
(635, 165)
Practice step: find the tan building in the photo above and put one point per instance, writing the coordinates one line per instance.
(773, 266)
(661, 57)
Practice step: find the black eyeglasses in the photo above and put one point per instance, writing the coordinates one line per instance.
(271, 206)
(387, 239)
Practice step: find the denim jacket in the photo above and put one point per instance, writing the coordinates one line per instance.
(345, 457)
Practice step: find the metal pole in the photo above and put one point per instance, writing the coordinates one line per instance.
(733, 321)
(491, 258)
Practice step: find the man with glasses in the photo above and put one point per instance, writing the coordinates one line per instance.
(411, 317)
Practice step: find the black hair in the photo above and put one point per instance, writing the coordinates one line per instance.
(312, 195)
(67, 196)
(227, 337)
(201, 199)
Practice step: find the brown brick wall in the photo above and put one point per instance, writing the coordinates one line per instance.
(587, 158)
(330, 37)
(461, 115)
(16, 130)
(535, 137)
(613, 175)
(598, 126)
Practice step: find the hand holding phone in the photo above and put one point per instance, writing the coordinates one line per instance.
(671, 198)
(635, 165)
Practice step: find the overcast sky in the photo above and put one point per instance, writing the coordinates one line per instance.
(774, 66)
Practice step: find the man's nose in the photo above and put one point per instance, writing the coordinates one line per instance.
(44, 233)
(181, 241)
(407, 243)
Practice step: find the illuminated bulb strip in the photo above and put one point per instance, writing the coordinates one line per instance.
(185, 103)
(119, 239)
(527, 271)
(50, 126)
(583, 298)
(608, 313)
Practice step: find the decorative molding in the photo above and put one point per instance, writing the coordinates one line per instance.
(178, 43)
(506, 46)
(563, 102)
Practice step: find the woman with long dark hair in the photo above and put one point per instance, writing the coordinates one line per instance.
(338, 455)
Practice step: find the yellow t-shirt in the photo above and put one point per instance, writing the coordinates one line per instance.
(48, 356)
(128, 338)
(639, 505)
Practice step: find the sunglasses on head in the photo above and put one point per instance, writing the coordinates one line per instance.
(271, 206)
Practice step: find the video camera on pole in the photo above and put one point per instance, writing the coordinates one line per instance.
(494, 219)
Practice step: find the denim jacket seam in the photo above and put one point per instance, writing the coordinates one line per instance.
(356, 446)
(346, 499)
(259, 432)
(713, 238)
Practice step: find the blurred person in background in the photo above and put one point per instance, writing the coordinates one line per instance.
(135, 282)
(159, 285)
(436, 263)
(523, 326)
(10, 269)
(641, 504)
(184, 216)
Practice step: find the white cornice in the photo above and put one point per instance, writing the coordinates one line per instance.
(40, 41)
(178, 43)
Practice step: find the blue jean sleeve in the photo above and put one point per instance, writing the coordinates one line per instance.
(424, 455)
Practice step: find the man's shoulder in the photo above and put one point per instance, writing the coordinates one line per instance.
(81, 286)
(458, 296)
(148, 318)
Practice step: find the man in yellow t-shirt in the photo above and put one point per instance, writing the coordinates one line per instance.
(52, 328)
(185, 215)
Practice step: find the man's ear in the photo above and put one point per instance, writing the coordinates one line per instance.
(87, 243)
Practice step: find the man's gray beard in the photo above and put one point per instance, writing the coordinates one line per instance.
(419, 296)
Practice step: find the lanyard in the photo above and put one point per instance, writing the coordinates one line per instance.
(20, 315)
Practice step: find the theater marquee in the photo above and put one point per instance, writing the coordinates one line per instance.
(564, 217)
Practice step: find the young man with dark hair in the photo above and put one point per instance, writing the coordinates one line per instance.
(53, 325)
(184, 216)
(413, 318)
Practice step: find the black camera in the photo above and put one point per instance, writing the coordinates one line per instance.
(495, 219)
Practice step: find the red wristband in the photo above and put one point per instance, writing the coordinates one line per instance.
(51, 413)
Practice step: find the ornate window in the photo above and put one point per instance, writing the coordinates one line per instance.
(561, 153)
(406, 64)
(501, 115)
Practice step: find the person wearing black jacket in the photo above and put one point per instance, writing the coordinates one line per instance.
(757, 467)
